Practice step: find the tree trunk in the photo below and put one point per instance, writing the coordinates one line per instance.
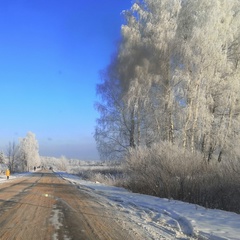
(132, 131)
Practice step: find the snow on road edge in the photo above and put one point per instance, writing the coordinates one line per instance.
(174, 217)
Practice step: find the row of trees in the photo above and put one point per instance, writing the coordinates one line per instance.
(175, 77)
(23, 156)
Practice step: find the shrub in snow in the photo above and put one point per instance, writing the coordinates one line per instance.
(167, 171)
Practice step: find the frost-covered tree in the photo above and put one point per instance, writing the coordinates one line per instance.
(175, 78)
(12, 155)
(63, 163)
(149, 45)
(28, 152)
(208, 40)
(2, 158)
(112, 132)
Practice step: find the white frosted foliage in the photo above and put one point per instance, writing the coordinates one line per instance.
(28, 151)
(176, 75)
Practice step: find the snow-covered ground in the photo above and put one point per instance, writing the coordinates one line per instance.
(161, 218)
(3, 178)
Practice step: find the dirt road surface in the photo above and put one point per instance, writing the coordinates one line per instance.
(43, 206)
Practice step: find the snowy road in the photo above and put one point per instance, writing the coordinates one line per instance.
(43, 205)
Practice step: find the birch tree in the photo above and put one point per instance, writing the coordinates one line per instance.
(146, 62)
(208, 34)
(175, 78)
(2, 158)
(112, 132)
(28, 152)
(12, 155)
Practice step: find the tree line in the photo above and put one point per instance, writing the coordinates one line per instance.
(170, 101)
(174, 77)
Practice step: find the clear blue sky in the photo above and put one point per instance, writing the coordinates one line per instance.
(51, 52)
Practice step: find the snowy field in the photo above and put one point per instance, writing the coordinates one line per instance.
(169, 219)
